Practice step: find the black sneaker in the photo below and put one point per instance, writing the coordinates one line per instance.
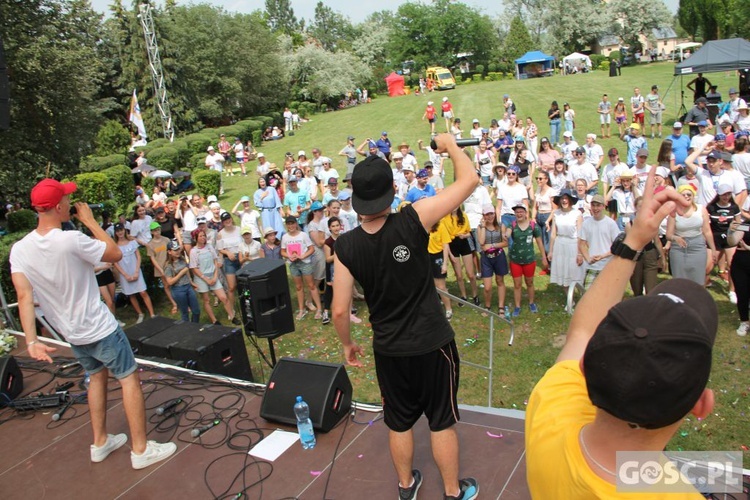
(236, 321)
(469, 489)
(461, 304)
(411, 493)
(326, 318)
(476, 300)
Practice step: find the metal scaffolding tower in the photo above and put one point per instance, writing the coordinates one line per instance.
(157, 71)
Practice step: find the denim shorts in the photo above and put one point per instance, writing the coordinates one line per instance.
(113, 352)
(231, 266)
(299, 268)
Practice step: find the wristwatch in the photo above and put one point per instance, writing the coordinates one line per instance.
(621, 249)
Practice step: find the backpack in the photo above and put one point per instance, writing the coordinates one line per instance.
(532, 222)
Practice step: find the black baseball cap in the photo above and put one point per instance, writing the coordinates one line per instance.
(226, 216)
(649, 359)
(372, 186)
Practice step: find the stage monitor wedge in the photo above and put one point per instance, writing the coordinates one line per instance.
(11, 380)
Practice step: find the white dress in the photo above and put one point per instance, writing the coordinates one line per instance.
(128, 263)
(564, 267)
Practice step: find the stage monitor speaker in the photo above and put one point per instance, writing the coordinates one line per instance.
(208, 348)
(325, 387)
(265, 303)
(4, 91)
(11, 380)
(139, 332)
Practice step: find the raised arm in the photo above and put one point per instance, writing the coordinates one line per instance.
(609, 286)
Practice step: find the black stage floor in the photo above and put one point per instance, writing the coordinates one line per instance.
(45, 459)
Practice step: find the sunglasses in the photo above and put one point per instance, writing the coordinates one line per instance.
(511, 173)
(540, 178)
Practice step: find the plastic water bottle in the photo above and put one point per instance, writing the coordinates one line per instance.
(304, 424)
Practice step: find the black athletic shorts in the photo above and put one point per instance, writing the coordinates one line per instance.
(460, 247)
(412, 385)
(105, 277)
(437, 265)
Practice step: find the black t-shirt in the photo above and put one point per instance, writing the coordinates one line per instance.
(523, 166)
(330, 242)
(393, 267)
(555, 112)
(167, 227)
(721, 217)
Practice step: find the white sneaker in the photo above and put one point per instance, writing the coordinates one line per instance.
(114, 441)
(742, 330)
(733, 297)
(155, 452)
(140, 319)
(121, 323)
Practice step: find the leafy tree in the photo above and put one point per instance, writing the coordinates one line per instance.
(281, 18)
(532, 13)
(331, 29)
(638, 17)
(518, 41)
(53, 54)
(574, 24)
(689, 16)
(320, 75)
(112, 138)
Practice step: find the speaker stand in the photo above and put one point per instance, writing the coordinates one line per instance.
(272, 351)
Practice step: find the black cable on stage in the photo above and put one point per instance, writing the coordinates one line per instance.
(335, 452)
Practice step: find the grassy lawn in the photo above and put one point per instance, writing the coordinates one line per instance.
(517, 367)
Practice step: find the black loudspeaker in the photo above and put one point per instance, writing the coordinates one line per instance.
(11, 380)
(265, 303)
(139, 332)
(4, 91)
(325, 387)
(207, 348)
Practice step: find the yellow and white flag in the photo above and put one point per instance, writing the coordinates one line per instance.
(135, 116)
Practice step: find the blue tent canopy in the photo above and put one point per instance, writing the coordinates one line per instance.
(534, 56)
(534, 64)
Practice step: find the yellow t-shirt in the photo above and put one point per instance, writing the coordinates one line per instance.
(455, 228)
(440, 237)
(558, 408)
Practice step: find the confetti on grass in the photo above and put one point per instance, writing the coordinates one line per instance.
(496, 436)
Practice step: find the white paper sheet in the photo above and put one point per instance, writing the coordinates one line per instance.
(274, 445)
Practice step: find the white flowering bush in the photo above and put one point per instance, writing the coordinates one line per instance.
(8, 341)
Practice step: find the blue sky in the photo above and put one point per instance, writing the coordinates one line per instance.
(306, 8)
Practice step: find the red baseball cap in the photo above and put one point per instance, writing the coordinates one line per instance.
(49, 192)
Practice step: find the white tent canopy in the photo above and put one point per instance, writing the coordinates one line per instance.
(578, 60)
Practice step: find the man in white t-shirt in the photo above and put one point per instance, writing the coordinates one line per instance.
(735, 101)
(57, 267)
(701, 140)
(435, 158)
(215, 161)
(641, 169)
(409, 160)
(605, 115)
(580, 168)
(598, 232)
(714, 176)
(594, 152)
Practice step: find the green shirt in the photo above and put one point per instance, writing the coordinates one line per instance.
(522, 250)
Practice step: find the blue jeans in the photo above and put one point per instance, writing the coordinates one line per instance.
(554, 131)
(186, 298)
(113, 352)
(507, 220)
(569, 126)
(541, 219)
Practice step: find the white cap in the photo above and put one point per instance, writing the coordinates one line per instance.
(429, 103)
(396, 155)
(475, 120)
(445, 99)
(261, 155)
(212, 198)
(408, 168)
(301, 153)
(591, 136)
(567, 133)
(662, 172)
(210, 148)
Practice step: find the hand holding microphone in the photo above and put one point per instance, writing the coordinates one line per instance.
(461, 143)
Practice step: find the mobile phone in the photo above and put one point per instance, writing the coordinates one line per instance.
(743, 227)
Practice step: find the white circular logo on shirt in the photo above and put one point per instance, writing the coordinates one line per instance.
(401, 253)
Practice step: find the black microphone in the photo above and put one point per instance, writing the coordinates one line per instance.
(61, 411)
(163, 409)
(200, 430)
(462, 143)
(92, 206)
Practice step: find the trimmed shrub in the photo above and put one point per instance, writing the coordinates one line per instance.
(207, 182)
(596, 60)
(92, 188)
(323, 108)
(119, 182)
(147, 183)
(247, 127)
(257, 137)
(99, 163)
(267, 121)
(166, 158)
(604, 66)
(479, 70)
(156, 143)
(615, 54)
(494, 76)
(198, 143)
(492, 67)
(293, 105)
(231, 131)
(21, 220)
(277, 117)
(198, 161)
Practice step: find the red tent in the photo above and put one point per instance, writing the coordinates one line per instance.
(395, 84)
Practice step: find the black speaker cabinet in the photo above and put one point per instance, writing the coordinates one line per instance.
(138, 333)
(325, 387)
(207, 348)
(265, 303)
(11, 380)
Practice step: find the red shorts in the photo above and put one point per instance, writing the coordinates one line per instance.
(518, 270)
(639, 118)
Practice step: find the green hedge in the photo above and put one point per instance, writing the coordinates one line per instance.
(166, 158)
(119, 186)
(21, 220)
(257, 137)
(6, 242)
(92, 188)
(99, 163)
(198, 143)
(247, 127)
(198, 161)
(277, 117)
(266, 121)
(207, 182)
(494, 76)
